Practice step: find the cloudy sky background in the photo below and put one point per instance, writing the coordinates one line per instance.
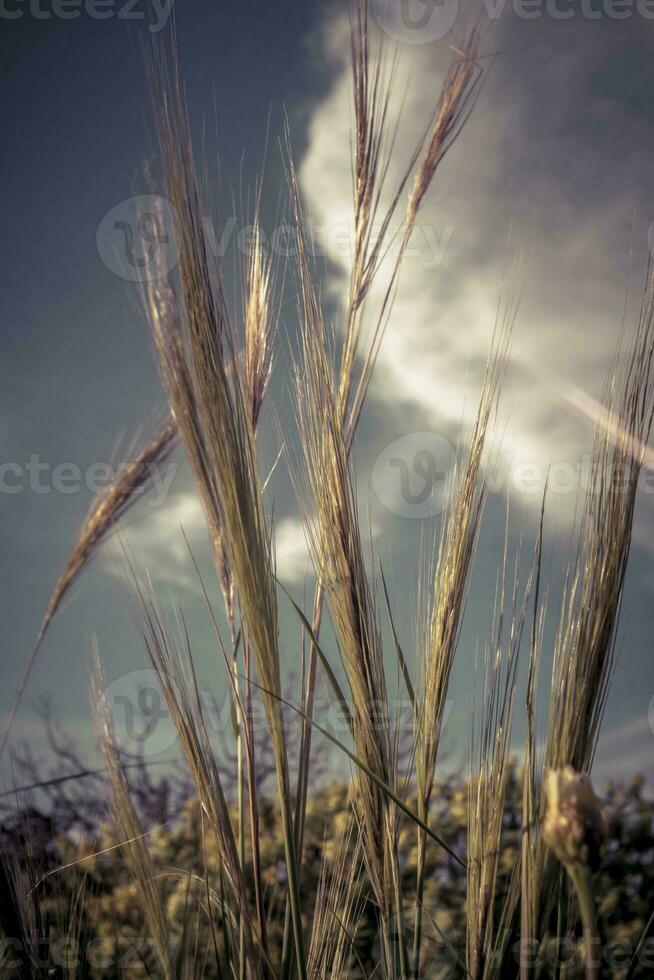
(551, 179)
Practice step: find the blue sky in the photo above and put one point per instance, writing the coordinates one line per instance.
(555, 165)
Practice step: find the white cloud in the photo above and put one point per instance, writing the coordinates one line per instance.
(291, 551)
(572, 242)
(155, 535)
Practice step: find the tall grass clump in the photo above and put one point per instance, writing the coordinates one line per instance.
(397, 871)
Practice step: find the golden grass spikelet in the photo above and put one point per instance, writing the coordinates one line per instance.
(260, 322)
(455, 103)
(336, 546)
(490, 771)
(584, 655)
(459, 533)
(173, 665)
(373, 147)
(135, 850)
(584, 651)
(338, 908)
(108, 509)
(105, 513)
(225, 456)
(458, 537)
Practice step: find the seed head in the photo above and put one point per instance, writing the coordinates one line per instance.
(574, 826)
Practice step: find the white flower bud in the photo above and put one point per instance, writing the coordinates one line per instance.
(574, 826)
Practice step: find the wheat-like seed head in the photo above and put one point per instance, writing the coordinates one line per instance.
(219, 432)
(335, 542)
(105, 513)
(128, 828)
(458, 539)
(260, 323)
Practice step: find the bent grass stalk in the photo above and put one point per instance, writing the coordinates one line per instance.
(105, 513)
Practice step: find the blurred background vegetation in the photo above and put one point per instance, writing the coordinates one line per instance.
(60, 838)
